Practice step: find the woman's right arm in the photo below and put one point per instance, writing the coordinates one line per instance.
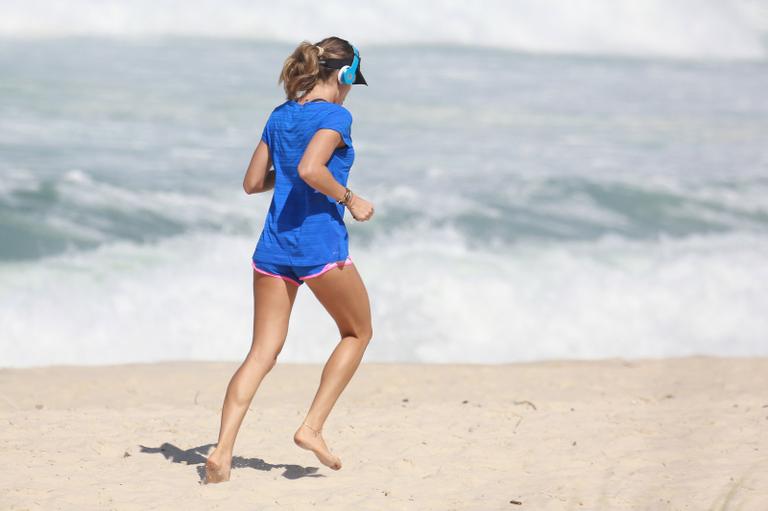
(313, 171)
(259, 177)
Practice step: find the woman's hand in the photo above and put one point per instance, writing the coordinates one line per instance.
(360, 208)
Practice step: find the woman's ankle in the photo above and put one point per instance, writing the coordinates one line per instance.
(222, 452)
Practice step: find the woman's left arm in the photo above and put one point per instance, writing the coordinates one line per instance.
(259, 177)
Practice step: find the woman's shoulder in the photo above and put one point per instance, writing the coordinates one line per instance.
(281, 106)
(340, 108)
(340, 111)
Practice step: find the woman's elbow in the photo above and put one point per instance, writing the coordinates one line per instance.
(306, 172)
(250, 189)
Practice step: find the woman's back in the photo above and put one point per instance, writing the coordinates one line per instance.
(304, 226)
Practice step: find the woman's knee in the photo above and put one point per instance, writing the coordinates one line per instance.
(364, 334)
(264, 360)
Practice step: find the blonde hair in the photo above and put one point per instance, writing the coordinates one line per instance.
(302, 69)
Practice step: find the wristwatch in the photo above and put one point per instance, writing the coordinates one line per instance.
(347, 196)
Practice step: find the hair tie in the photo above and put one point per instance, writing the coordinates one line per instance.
(320, 50)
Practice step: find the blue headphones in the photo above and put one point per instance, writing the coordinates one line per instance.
(347, 73)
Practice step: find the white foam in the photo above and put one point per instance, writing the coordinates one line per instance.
(681, 28)
(433, 299)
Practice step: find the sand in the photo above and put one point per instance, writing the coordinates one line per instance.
(687, 433)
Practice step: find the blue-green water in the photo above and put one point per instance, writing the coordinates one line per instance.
(528, 206)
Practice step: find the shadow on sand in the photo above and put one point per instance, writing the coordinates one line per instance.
(197, 456)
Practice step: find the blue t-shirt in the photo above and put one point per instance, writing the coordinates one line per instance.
(303, 226)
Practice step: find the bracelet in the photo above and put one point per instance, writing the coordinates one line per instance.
(347, 196)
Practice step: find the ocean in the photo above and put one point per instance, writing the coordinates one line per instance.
(602, 193)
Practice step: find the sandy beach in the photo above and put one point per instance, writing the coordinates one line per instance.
(686, 433)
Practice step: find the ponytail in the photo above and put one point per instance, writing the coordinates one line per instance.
(302, 69)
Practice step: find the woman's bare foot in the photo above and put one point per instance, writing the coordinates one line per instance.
(217, 470)
(308, 438)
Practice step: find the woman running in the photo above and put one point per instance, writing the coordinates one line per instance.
(308, 140)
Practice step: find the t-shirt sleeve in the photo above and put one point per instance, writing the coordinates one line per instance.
(339, 119)
(265, 133)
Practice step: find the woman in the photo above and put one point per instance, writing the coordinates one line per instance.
(308, 139)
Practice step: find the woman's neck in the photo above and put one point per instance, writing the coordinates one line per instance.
(324, 93)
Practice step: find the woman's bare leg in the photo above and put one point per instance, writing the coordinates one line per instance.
(342, 292)
(273, 300)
